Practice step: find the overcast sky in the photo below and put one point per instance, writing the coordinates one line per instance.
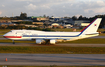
(56, 8)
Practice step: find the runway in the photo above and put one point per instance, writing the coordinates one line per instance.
(53, 59)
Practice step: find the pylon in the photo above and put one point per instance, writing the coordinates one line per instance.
(6, 59)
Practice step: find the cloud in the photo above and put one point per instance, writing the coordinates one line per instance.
(0, 12)
(53, 7)
(101, 3)
(45, 7)
(95, 10)
(23, 0)
(96, 7)
(31, 7)
(3, 5)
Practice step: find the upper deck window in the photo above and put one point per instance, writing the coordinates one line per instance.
(27, 32)
(19, 32)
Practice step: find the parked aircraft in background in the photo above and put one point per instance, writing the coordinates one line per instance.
(52, 37)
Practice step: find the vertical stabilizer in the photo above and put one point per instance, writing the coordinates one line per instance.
(92, 27)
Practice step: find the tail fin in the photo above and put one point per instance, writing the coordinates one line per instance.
(92, 27)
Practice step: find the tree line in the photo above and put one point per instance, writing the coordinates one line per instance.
(24, 16)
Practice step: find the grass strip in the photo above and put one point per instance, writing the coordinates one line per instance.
(52, 50)
(10, 41)
(102, 34)
(88, 41)
(54, 66)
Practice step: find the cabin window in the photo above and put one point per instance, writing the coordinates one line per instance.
(19, 32)
(34, 35)
(27, 32)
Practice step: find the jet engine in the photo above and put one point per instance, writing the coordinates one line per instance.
(52, 41)
(38, 41)
(45, 41)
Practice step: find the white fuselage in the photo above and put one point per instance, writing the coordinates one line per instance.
(33, 34)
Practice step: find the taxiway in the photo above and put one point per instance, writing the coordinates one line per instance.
(59, 44)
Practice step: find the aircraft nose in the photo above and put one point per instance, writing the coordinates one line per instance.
(4, 36)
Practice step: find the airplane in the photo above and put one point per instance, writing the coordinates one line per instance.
(52, 37)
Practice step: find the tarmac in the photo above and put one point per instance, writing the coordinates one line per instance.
(53, 59)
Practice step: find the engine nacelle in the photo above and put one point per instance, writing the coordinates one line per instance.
(38, 41)
(52, 41)
(42, 41)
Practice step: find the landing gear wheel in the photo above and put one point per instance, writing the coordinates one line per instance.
(13, 42)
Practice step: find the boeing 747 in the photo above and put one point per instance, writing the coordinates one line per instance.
(52, 37)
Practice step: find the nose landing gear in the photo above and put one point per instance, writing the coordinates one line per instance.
(13, 42)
